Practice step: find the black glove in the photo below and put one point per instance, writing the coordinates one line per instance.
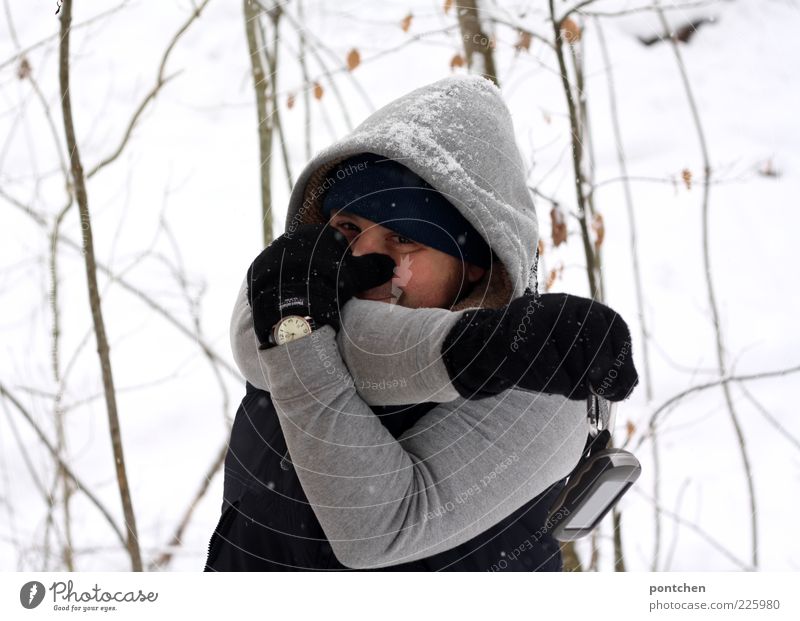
(310, 271)
(554, 343)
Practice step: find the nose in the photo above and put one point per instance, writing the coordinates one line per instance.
(372, 239)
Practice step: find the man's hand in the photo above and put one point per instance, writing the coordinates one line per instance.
(310, 271)
(554, 343)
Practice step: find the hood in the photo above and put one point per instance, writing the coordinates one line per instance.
(457, 135)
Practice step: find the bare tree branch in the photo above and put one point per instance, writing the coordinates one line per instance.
(301, 57)
(700, 533)
(558, 22)
(272, 63)
(637, 278)
(637, 282)
(770, 418)
(141, 295)
(577, 153)
(655, 417)
(161, 80)
(177, 538)
(674, 543)
(650, 7)
(478, 45)
(327, 74)
(264, 121)
(710, 286)
(85, 489)
(87, 22)
(94, 298)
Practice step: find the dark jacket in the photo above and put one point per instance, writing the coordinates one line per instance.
(268, 525)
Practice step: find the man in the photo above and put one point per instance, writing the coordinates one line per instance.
(314, 479)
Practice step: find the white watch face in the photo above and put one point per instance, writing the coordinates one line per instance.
(291, 328)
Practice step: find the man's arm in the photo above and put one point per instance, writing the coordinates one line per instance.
(392, 353)
(461, 469)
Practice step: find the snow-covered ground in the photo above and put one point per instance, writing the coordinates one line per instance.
(193, 159)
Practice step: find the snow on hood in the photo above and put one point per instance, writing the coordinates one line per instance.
(457, 134)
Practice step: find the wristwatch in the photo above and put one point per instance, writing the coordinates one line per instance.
(289, 328)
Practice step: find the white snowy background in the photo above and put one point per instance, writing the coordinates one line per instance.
(193, 160)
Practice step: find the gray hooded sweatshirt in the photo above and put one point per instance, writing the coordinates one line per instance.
(465, 465)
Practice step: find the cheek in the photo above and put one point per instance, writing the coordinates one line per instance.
(432, 284)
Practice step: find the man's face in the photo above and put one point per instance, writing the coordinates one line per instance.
(424, 277)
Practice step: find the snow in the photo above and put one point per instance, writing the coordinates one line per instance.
(194, 159)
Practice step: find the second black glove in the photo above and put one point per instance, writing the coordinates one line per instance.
(554, 343)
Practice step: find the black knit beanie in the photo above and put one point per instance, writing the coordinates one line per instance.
(386, 192)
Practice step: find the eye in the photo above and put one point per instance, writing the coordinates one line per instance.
(403, 240)
(344, 225)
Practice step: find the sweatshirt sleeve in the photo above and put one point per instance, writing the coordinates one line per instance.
(393, 353)
(461, 469)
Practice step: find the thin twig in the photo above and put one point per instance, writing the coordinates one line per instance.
(569, 12)
(507, 18)
(701, 533)
(619, 557)
(94, 298)
(55, 35)
(264, 127)
(648, 8)
(623, 167)
(478, 45)
(328, 73)
(138, 293)
(9, 506)
(770, 418)
(637, 280)
(34, 471)
(165, 557)
(674, 543)
(58, 412)
(314, 45)
(577, 164)
(301, 57)
(577, 150)
(275, 112)
(710, 284)
(85, 489)
(161, 80)
(656, 415)
(177, 538)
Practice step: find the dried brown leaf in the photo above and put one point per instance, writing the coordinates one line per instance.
(523, 42)
(406, 23)
(599, 229)
(290, 101)
(448, 4)
(630, 429)
(553, 276)
(768, 169)
(24, 69)
(686, 175)
(559, 226)
(318, 90)
(353, 59)
(456, 61)
(570, 31)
